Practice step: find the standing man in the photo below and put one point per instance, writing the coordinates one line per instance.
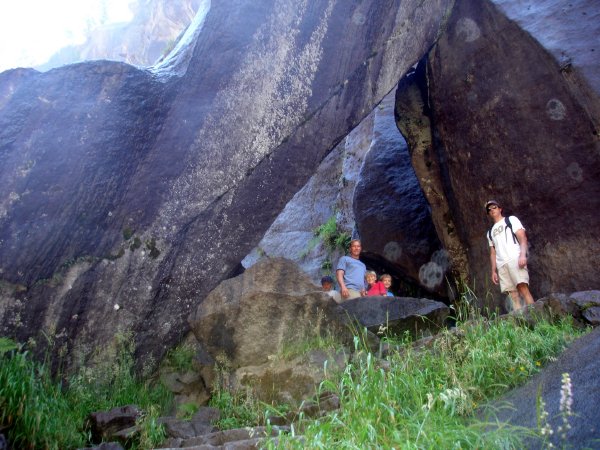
(350, 273)
(508, 255)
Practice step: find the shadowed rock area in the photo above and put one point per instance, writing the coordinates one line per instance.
(129, 194)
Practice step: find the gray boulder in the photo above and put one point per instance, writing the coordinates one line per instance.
(252, 317)
(418, 316)
(107, 425)
(583, 307)
(589, 305)
(234, 439)
(202, 422)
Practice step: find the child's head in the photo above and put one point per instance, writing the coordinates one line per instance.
(386, 280)
(327, 283)
(370, 276)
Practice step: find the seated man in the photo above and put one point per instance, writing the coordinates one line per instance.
(350, 273)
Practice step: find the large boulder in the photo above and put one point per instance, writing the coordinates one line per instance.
(513, 121)
(417, 316)
(251, 318)
(129, 194)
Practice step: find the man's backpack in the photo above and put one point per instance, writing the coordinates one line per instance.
(509, 226)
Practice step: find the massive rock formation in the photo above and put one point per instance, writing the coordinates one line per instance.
(501, 113)
(127, 194)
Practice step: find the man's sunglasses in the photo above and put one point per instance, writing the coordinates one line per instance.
(492, 207)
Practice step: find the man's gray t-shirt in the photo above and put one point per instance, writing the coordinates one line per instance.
(354, 272)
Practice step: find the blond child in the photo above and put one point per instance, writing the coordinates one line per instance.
(375, 287)
(387, 282)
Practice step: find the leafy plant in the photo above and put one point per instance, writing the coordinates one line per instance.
(332, 238)
(186, 411)
(152, 433)
(238, 409)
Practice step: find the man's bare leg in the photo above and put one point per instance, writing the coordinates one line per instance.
(516, 300)
(523, 289)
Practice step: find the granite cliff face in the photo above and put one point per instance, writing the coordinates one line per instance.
(508, 110)
(128, 194)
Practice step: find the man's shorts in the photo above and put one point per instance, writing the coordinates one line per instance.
(352, 293)
(510, 275)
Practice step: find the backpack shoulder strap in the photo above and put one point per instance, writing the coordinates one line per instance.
(509, 225)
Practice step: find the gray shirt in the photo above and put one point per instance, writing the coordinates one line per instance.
(354, 272)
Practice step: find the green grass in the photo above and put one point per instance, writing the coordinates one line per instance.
(41, 412)
(418, 400)
(427, 399)
(238, 410)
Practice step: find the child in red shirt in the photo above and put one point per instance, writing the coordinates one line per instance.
(375, 287)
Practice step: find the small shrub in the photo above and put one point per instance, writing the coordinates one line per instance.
(238, 409)
(152, 433)
(186, 411)
(181, 358)
(332, 238)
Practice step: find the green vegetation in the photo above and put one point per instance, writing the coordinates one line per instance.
(151, 246)
(41, 412)
(238, 409)
(135, 244)
(412, 399)
(427, 399)
(181, 358)
(332, 238)
(186, 411)
(127, 233)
